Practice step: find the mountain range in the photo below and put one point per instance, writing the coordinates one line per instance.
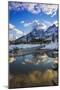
(39, 35)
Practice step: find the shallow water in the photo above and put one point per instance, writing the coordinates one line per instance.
(32, 70)
(27, 63)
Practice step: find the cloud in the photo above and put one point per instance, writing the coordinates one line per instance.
(56, 22)
(34, 8)
(53, 14)
(36, 24)
(49, 9)
(18, 31)
(41, 26)
(22, 22)
(14, 33)
(47, 23)
(27, 24)
(35, 21)
(15, 6)
(11, 26)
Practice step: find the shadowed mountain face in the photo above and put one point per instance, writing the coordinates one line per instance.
(38, 35)
(51, 30)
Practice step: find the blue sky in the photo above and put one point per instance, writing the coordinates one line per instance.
(22, 16)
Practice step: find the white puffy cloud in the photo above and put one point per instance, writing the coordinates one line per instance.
(14, 33)
(27, 24)
(49, 9)
(11, 26)
(35, 8)
(36, 24)
(15, 6)
(40, 26)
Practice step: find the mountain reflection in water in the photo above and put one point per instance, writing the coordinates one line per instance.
(32, 70)
(31, 62)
